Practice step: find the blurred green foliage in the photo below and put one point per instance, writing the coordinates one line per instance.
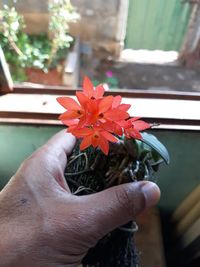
(107, 78)
(42, 51)
(61, 14)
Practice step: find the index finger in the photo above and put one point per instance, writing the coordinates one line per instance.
(46, 165)
(50, 160)
(61, 145)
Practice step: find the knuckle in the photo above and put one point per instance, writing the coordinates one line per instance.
(125, 201)
(131, 201)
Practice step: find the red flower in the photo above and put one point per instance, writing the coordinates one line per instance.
(110, 110)
(96, 137)
(117, 113)
(74, 110)
(90, 91)
(95, 118)
(132, 127)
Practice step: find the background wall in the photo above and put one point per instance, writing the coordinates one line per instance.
(157, 24)
(176, 180)
(35, 14)
(102, 24)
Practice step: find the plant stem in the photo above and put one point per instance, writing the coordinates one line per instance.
(14, 46)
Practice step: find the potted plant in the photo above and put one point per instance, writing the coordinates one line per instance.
(37, 58)
(111, 150)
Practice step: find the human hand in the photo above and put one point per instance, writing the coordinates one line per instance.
(42, 224)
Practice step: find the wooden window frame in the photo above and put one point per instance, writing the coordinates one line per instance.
(42, 114)
(35, 104)
(6, 82)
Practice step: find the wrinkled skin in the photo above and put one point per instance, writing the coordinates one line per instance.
(43, 224)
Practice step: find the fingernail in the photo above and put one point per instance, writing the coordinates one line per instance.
(151, 193)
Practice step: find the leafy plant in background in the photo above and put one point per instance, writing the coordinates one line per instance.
(109, 79)
(11, 25)
(61, 14)
(36, 51)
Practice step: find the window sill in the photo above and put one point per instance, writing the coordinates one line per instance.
(171, 111)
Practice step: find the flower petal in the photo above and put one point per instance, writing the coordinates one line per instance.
(82, 132)
(117, 129)
(71, 128)
(69, 115)
(135, 134)
(70, 122)
(125, 123)
(99, 91)
(116, 115)
(105, 104)
(134, 119)
(88, 87)
(104, 145)
(86, 142)
(141, 125)
(95, 139)
(68, 103)
(108, 126)
(124, 107)
(109, 136)
(116, 101)
(92, 106)
(83, 99)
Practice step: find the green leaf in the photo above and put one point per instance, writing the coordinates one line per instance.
(153, 142)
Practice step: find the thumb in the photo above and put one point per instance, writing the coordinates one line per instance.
(116, 206)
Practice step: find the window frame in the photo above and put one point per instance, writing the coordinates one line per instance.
(6, 82)
(47, 117)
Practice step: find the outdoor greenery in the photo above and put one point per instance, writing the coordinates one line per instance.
(61, 14)
(42, 51)
(107, 78)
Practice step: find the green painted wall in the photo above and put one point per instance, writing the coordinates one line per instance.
(183, 174)
(175, 180)
(157, 24)
(17, 143)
